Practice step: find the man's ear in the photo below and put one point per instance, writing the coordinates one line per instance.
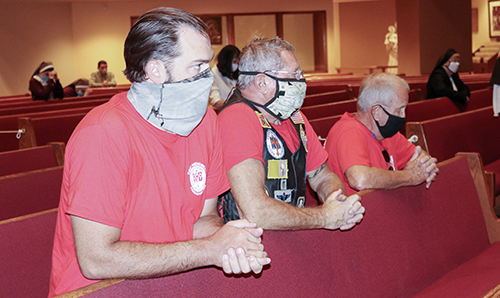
(261, 83)
(156, 72)
(375, 110)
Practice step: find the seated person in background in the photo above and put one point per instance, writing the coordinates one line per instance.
(139, 193)
(270, 148)
(225, 75)
(78, 88)
(367, 150)
(444, 79)
(102, 77)
(44, 84)
(495, 81)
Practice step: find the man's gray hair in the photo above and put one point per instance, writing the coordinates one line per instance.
(259, 55)
(379, 89)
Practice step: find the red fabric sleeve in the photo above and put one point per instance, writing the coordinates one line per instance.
(351, 149)
(401, 149)
(241, 135)
(316, 155)
(217, 180)
(98, 176)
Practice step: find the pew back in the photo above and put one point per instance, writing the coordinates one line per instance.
(329, 109)
(311, 89)
(47, 129)
(322, 126)
(52, 106)
(30, 192)
(26, 257)
(473, 131)
(36, 158)
(443, 106)
(328, 97)
(9, 141)
(408, 239)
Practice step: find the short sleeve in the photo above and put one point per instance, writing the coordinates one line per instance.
(241, 135)
(97, 176)
(316, 155)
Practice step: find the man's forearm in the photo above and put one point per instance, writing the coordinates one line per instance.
(324, 182)
(365, 177)
(206, 226)
(124, 259)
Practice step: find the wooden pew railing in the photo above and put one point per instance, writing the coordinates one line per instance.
(409, 238)
(36, 158)
(39, 131)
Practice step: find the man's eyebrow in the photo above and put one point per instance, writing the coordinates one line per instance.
(201, 60)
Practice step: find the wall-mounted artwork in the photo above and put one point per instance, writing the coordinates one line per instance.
(494, 18)
(215, 27)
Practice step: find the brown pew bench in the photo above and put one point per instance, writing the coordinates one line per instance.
(328, 97)
(326, 88)
(9, 125)
(329, 109)
(323, 117)
(8, 105)
(62, 105)
(40, 131)
(36, 158)
(322, 126)
(442, 106)
(412, 240)
(26, 254)
(473, 131)
(30, 192)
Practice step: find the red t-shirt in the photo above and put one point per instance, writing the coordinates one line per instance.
(123, 172)
(350, 143)
(243, 137)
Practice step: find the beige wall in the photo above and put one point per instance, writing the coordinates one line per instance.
(363, 26)
(79, 34)
(75, 35)
(32, 33)
(482, 36)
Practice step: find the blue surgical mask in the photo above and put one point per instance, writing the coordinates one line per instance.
(80, 93)
(45, 79)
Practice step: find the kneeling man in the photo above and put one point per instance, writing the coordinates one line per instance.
(367, 151)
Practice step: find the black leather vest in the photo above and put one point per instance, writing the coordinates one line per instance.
(285, 170)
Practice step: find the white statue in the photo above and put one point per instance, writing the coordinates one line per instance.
(391, 45)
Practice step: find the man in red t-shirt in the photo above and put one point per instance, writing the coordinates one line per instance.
(142, 172)
(270, 149)
(367, 151)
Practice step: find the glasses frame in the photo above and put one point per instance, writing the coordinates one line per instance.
(299, 74)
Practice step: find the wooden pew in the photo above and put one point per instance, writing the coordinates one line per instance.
(326, 88)
(412, 241)
(30, 192)
(443, 106)
(52, 106)
(44, 130)
(31, 159)
(329, 109)
(473, 131)
(8, 97)
(14, 104)
(415, 95)
(9, 125)
(26, 254)
(322, 126)
(328, 97)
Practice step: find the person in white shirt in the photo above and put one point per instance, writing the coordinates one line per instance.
(225, 74)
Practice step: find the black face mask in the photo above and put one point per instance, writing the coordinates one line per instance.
(393, 125)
